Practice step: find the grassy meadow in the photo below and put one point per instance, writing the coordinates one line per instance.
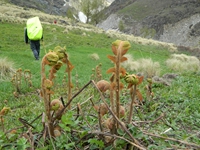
(176, 95)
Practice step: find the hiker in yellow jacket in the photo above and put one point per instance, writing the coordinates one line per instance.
(33, 34)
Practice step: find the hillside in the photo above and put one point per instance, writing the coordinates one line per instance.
(169, 21)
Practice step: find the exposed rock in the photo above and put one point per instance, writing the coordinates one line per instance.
(111, 22)
(170, 76)
(164, 20)
(183, 33)
(166, 79)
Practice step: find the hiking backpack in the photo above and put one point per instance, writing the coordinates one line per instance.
(34, 28)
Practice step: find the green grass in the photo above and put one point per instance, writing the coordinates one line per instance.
(179, 101)
(78, 48)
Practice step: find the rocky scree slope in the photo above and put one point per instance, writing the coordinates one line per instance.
(170, 21)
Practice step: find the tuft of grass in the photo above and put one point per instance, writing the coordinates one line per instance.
(183, 63)
(130, 64)
(94, 56)
(6, 69)
(146, 66)
(149, 68)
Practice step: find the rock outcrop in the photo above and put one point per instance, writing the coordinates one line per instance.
(170, 21)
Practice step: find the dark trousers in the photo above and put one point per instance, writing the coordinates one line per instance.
(35, 47)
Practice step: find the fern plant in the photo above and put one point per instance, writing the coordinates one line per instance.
(55, 60)
(119, 49)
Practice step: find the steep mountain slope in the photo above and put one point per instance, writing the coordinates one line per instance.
(47, 6)
(165, 20)
(55, 7)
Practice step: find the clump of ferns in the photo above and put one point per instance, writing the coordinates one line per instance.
(64, 83)
(148, 88)
(133, 82)
(97, 73)
(27, 78)
(117, 110)
(119, 49)
(17, 81)
(3, 112)
(55, 59)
